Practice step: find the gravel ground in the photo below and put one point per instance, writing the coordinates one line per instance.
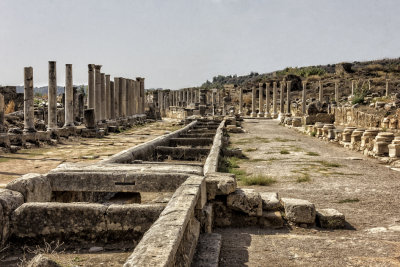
(329, 176)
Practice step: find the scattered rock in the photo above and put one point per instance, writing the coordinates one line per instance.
(42, 261)
(270, 201)
(95, 249)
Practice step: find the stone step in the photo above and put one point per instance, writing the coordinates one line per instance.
(190, 142)
(181, 153)
(207, 251)
(197, 135)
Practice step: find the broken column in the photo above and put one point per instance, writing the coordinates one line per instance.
(112, 101)
(336, 92)
(122, 93)
(387, 87)
(97, 92)
(91, 90)
(281, 100)
(274, 100)
(268, 104)
(29, 125)
(2, 112)
(321, 92)
(260, 100)
(103, 98)
(288, 89)
(107, 99)
(52, 97)
(352, 87)
(381, 143)
(303, 97)
(253, 102)
(394, 148)
(116, 97)
(69, 97)
(240, 101)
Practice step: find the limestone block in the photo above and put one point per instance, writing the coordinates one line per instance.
(299, 211)
(270, 201)
(207, 218)
(220, 184)
(222, 215)
(394, 150)
(245, 200)
(34, 187)
(9, 201)
(330, 218)
(271, 219)
(208, 251)
(72, 221)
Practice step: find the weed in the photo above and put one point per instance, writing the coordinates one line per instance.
(313, 133)
(256, 160)
(250, 149)
(258, 180)
(314, 154)
(304, 178)
(284, 152)
(328, 164)
(283, 140)
(233, 162)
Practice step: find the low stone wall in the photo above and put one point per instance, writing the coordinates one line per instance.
(352, 117)
(82, 222)
(146, 150)
(211, 164)
(172, 239)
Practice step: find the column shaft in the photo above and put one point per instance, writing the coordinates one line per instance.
(29, 125)
(97, 93)
(103, 97)
(303, 101)
(116, 97)
(69, 97)
(122, 93)
(240, 101)
(268, 101)
(274, 100)
(321, 92)
(288, 89)
(260, 100)
(91, 90)
(282, 98)
(107, 99)
(253, 102)
(52, 97)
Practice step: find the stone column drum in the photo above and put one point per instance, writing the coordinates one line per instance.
(29, 125)
(268, 101)
(122, 93)
(91, 90)
(112, 101)
(253, 103)
(288, 89)
(260, 100)
(97, 92)
(274, 100)
(52, 97)
(69, 97)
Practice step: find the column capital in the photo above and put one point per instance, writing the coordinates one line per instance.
(97, 67)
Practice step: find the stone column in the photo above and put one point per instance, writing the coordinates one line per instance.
(69, 97)
(103, 97)
(336, 92)
(240, 101)
(142, 96)
(281, 98)
(97, 93)
(116, 97)
(260, 100)
(352, 87)
(29, 125)
(253, 103)
(321, 92)
(268, 101)
(122, 93)
(199, 95)
(274, 100)
(288, 89)
(137, 97)
(387, 87)
(2, 112)
(127, 95)
(213, 93)
(52, 97)
(303, 101)
(112, 101)
(107, 98)
(91, 90)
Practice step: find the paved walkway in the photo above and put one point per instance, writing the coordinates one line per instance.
(330, 176)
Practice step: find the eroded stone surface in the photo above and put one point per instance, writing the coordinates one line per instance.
(298, 210)
(34, 187)
(330, 218)
(245, 200)
(220, 184)
(207, 251)
(270, 201)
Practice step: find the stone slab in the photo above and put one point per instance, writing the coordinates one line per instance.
(299, 211)
(330, 218)
(208, 251)
(245, 200)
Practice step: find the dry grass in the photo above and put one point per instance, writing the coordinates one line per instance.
(10, 108)
(258, 180)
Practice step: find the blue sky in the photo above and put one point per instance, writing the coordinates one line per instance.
(182, 43)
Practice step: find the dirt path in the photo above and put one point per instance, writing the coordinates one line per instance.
(42, 160)
(330, 176)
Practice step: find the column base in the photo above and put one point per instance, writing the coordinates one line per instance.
(253, 115)
(260, 115)
(267, 115)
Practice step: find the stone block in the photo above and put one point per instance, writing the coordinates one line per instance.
(245, 200)
(299, 211)
(330, 218)
(34, 187)
(270, 201)
(222, 215)
(9, 201)
(220, 184)
(4, 140)
(271, 219)
(207, 251)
